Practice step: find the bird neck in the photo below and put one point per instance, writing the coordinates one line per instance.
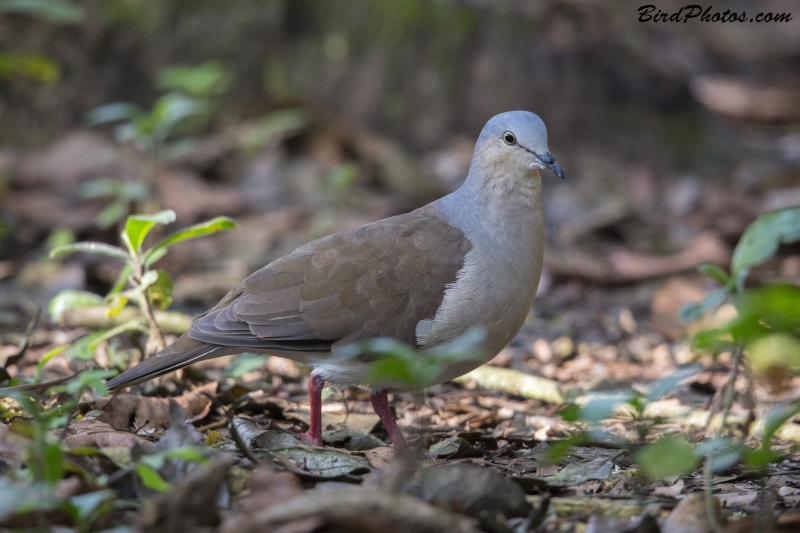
(506, 206)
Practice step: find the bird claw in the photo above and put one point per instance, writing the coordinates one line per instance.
(314, 440)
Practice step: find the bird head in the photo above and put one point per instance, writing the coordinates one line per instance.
(518, 138)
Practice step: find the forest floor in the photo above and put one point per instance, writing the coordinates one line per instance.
(493, 451)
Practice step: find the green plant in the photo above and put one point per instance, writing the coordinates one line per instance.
(157, 133)
(149, 131)
(394, 363)
(766, 329)
(138, 281)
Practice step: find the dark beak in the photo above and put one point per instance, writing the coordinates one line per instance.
(549, 162)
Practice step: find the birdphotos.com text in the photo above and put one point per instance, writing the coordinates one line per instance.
(698, 13)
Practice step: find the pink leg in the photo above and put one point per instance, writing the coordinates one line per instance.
(380, 403)
(314, 433)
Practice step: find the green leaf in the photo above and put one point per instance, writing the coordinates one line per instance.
(131, 325)
(661, 387)
(160, 292)
(46, 357)
(668, 456)
(171, 109)
(602, 406)
(138, 226)
(193, 454)
(151, 478)
(761, 239)
(192, 232)
(714, 272)
(91, 248)
(154, 255)
(111, 214)
(34, 66)
(53, 463)
(776, 418)
(112, 113)
(244, 363)
(122, 280)
(723, 453)
(71, 299)
(79, 349)
(93, 504)
(205, 80)
(692, 312)
(52, 11)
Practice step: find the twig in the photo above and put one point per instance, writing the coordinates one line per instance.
(730, 390)
(536, 516)
(97, 317)
(237, 438)
(365, 510)
(23, 345)
(711, 508)
(37, 386)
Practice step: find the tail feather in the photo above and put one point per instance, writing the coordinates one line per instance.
(183, 352)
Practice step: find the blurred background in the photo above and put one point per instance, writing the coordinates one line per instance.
(300, 118)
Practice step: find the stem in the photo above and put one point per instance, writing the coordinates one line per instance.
(711, 508)
(731, 390)
(156, 342)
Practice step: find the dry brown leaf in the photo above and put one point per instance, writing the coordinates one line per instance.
(125, 410)
(268, 488)
(94, 433)
(690, 516)
(381, 457)
(191, 506)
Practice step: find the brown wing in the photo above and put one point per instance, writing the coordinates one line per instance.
(377, 280)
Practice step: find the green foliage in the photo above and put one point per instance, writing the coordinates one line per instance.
(32, 66)
(669, 456)
(244, 363)
(766, 327)
(394, 363)
(206, 80)
(759, 243)
(761, 239)
(52, 11)
(151, 478)
(138, 282)
(272, 125)
(148, 130)
(71, 299)
(123, 194)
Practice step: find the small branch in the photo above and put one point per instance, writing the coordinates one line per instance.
(97, 318)
(711, 503)
(155, 342)
(237, 438)
(730, 391)
(23, 345)
(359, 509)
(37, 386)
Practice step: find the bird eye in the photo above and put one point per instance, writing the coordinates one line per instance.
(509, 138)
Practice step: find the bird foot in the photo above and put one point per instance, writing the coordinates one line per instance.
(314, 440)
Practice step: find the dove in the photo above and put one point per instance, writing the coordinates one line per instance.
(471, 259)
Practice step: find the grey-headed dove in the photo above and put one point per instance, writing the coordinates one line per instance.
(471, 259)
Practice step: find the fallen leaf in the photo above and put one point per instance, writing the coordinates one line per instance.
(191, 506)
(324, 463)
(471, 490)
(352, 439)
(269, 488)
(381, 457)
(690, 515)
(597, 469)
(94, 433)
(123, 410)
